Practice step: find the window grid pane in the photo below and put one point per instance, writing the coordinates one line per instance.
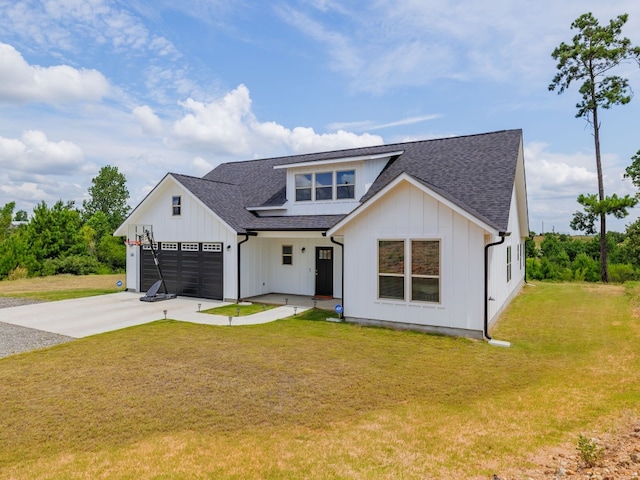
(303, 187)
(425, 271)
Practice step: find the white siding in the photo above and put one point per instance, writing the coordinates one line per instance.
(195, 224)
(406, 212)
(263, 271)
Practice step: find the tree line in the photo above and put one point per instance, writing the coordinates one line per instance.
(63, 238)
(561, 257)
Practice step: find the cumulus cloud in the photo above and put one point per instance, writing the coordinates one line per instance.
(554, 181)
(148, 120)
(21, 82)
(34, 153)
(229, 126)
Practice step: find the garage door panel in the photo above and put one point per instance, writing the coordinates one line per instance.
(188, 273)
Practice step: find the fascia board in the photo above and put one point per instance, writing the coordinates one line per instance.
(332, 161)
(406, 178)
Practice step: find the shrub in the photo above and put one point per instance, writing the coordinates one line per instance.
(621, 272)
(73, 264)
(589, 451)
(18, 273)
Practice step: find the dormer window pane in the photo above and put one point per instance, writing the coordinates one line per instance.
(345, 184)
(324, 186)
(303, 187)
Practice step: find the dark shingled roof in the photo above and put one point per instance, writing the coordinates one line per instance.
(475, 172)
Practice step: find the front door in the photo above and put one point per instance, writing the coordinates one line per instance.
(324, 271)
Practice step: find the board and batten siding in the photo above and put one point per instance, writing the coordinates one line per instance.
(195, 224)
(500, 289)
(263, 271)
(406, 213)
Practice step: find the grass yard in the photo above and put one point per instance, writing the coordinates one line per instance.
(298, 399)
(61, 287)
(235, 310)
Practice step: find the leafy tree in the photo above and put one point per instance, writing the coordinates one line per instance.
(21, 216)
(109, 195)
(6, 214)
(53, 232)
(594, 52)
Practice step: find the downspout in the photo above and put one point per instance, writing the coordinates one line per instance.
(502, 235)
(246, 239)
(342, 272)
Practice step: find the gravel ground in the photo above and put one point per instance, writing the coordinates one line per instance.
(16, 339)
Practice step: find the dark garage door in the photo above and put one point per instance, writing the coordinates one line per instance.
(189, 269)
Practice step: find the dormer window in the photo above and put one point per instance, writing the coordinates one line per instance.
(323, 186)
(303, 187)
(346, 184)
(176, 205)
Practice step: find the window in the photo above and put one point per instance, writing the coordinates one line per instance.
(176, 205)
(287, 255)
(324, 186)
(391, 269)
(508, 264)
(211, 247)
(303, 187)
(345, 184)
(425, 270)
(190, 247)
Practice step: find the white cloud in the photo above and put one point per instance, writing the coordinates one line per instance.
(34, 153)
(229, 126)
(148, 120)
(371, 125)
(21, 82)
(554, 181)
(390, 43)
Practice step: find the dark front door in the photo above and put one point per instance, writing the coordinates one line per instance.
(324, 271)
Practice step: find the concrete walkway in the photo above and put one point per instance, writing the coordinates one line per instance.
(87, 316)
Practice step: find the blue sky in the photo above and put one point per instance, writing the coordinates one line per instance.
(159, 86)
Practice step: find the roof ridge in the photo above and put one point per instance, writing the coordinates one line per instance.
(203, 178)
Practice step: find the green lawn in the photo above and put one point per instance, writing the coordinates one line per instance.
(235, 310)
(299, 399)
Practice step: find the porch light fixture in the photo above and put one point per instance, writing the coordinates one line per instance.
(303, 249)
(228, 248)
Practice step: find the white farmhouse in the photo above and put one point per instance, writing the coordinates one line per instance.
(426, 235)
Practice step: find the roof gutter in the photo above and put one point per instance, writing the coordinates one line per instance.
(246, 239)
(503, 236)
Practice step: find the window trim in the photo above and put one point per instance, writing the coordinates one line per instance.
(509, 259)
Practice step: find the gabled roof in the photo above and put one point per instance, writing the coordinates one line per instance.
(475, 172)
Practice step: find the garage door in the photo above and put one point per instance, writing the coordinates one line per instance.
(189, 269)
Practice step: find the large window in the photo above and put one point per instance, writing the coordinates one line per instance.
(322, 186)
(425, 270)
(421, 270)
(391, 269)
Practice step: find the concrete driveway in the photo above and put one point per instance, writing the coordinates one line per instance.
(91, 315)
